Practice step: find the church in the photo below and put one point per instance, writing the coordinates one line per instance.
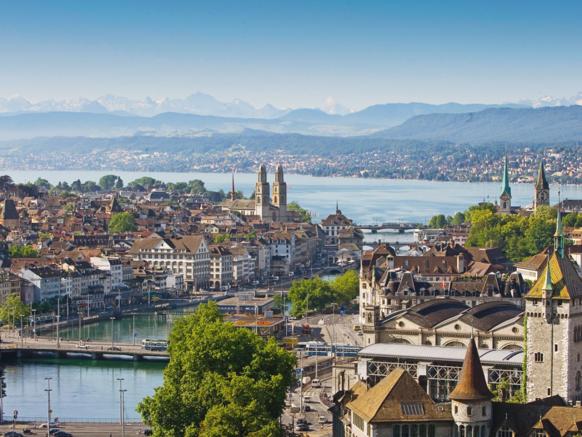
(268, 209)
(541, 191)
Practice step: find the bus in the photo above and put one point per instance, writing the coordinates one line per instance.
(154, 345)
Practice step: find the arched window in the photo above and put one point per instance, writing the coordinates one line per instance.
(578, 380)
(469, 411)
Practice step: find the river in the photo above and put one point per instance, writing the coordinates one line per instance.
(363, 200)
(87, 389)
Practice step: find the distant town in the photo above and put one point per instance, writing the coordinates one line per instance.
(406, 161)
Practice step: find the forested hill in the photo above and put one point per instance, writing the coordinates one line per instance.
(497, 125)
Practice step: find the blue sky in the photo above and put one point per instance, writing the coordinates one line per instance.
(293, 53)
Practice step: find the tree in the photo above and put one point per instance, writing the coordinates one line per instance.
(220, 381)
(12, 309)
(121, 222)
(304, 215)
(109, 181)
(43, 183)
(145, 182)
(346, 286)
(119, 183)
(438, 221)
(22, 251)
(197, 186)
(6, 183)
(309, 294)
(458, 219)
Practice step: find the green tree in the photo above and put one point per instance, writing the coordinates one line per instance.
(22, 251)
(146, 182)
(458, 219)
(122, 222)
(109, 181)
(438, 221)
(43, 183)
(304, 215)
(12, 309)
(220, 381)
(197, 186)
(346, 286)
(310, 295)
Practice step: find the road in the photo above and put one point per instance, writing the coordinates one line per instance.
(82, 429)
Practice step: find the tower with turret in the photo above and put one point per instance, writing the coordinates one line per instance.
(542, 188)
(505, 197)
(471, 398)
(280, 194)
(554, 328)
(262, 196)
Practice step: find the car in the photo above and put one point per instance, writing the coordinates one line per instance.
(53, 431)
(12, 434)
(63, 434)
(114, 348)
(301, 427)
(307, 408)
(27, 431)
(316, 383)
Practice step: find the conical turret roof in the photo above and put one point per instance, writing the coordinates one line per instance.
(472, 385)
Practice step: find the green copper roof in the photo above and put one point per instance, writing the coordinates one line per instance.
(548, 283)
(541, 181)
(506, 189)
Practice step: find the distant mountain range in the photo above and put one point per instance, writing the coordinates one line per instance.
(495, 125)
(450, 122)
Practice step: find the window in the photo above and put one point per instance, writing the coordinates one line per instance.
(484, 411)
(578, 380)
(412, 409)
(556, 347)
(469, 411)
(357, 421)
(539, 357)
(504, 432)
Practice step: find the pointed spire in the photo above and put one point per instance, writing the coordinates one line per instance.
(232, 190)
(541, 181)
(506, 189)
(471, 385)
(337, 210)
(559, 234)
(548, 287)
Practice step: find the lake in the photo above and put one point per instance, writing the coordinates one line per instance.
(363, 200)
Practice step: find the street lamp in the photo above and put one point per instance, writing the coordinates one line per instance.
(49, 411)
(34, 323)
(133, 327)
(112, 334)
(122, 406)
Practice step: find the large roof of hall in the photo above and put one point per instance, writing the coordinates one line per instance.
(440, 353)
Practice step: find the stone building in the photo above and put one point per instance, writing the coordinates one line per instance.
(187, 255)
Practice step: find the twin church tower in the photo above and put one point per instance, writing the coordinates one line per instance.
(275, 210)
(541, 194)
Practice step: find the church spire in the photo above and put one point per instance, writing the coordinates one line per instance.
(506, 189)
(233, 192)
(541, 181)
(548, 288)
(559, 235)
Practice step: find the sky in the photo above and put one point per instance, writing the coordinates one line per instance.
(293, 53)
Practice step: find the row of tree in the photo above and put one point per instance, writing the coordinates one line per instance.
(315, 294)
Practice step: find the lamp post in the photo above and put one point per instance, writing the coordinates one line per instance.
(112, 334)
(133, 327)
(58, 320)
(49, 411)
(122, 406)
(34, 324)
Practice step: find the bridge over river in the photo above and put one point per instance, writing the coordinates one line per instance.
(96, 350)
(401, 227)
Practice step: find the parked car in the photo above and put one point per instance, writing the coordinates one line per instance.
(12, 434)
(63, 434)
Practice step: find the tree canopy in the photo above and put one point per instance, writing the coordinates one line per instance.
(303, 213)
(22, 251)
(220, 381)
(315, 294)
(12, 309)
(122, 222)
(110, 181)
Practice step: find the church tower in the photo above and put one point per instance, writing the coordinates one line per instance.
(280, 194)
(471, 398)
(505, 198)
(262, 196)
(542, 188)
(554, 328)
